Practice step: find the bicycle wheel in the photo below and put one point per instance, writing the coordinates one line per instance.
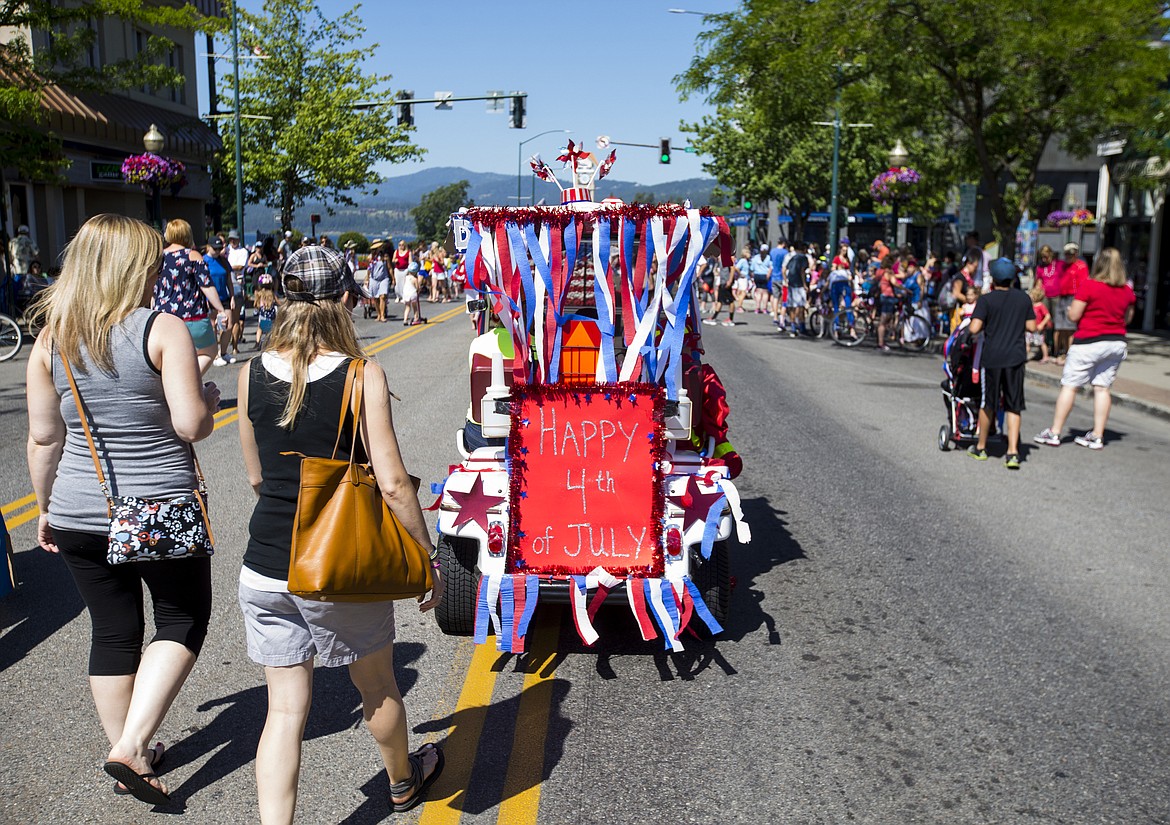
(816, 324)
(11, 338)
(914, 332)
(849, 331)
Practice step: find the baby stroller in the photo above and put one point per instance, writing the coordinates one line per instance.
(962, 394)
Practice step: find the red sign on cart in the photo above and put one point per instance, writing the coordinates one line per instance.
(586, 479)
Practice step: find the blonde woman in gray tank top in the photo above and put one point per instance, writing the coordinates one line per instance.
(140, 385)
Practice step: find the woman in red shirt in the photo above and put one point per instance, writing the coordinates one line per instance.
(1101, 308)
(1070, 277)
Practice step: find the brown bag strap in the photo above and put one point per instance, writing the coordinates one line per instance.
(358, 391)
(345, 400)
(97, 465)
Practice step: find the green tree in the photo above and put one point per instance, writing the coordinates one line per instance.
(976, 88)
(303, 138)
(25, 143)
(362, 243)
(435, 208)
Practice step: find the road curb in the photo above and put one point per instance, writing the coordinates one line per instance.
(1119, 398)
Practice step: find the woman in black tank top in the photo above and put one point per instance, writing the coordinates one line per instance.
(294, 396)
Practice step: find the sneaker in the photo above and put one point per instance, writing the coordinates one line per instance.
(711, 322)
(729, 323)
(231, 359)
(1012, 462)
(219, 362)
(1090, 440)
(793, 334)
(1047, 436)
(885, 348)
(976, 453)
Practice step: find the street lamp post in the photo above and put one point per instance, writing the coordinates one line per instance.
(520, 160)
(898, 158)
(236, 121)
(154, 142)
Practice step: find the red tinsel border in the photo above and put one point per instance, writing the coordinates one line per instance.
(516, 467)
(560, 215)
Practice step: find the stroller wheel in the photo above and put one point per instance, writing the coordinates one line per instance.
(944, 438)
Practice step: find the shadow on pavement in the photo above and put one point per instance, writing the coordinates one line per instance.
(772, 545)
(494, 751)
(46, 601)
(235, 731)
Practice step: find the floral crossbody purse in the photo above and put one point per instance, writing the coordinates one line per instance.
(149, 529)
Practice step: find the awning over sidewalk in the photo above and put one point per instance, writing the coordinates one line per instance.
(114, 122)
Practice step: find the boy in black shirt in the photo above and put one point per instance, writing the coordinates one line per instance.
(1003, 316)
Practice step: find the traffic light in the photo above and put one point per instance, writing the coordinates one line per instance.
(747, 204)
(664, 150)
(405, 110)
(517, 117)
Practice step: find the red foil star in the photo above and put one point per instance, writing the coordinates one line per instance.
(474, 504)
(695, 503)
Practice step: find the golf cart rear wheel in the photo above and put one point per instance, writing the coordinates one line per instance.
(713, 578)
(944, 438)
(456, 612)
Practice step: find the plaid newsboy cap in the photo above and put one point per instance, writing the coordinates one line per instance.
(322, 273)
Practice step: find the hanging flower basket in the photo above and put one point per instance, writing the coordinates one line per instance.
(895, 185)
(150, 169)
(1077, 217)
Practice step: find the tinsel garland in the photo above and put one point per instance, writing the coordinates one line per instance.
(517, 465)
(560, 216)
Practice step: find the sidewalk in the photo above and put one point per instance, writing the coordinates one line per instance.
(1143, 382)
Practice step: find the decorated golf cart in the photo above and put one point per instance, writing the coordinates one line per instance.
(608, 468)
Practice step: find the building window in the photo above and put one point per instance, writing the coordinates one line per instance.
(178, 94)
(141, 42)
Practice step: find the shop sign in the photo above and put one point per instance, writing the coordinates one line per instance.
(107, 170)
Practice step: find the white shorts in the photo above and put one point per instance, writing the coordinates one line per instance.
(740, 285)
(1094, 363)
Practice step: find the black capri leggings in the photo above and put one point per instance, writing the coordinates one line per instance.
(179, 588)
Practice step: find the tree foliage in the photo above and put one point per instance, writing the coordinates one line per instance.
(361, 242)
(436, 207)
(61, 59)
(975, 88)
(312, 143)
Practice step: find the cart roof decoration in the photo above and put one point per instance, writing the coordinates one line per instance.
(523, 259)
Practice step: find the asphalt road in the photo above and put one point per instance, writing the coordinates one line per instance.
(915, 637)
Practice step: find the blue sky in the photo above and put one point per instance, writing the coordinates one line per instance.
(625, 91)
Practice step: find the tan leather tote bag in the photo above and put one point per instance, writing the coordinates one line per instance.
(347, 545)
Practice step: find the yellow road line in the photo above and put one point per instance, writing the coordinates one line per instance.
(398, 337)
(23, 517)
(18, 504)
(224, 417)
(520, 801)
(445, 801)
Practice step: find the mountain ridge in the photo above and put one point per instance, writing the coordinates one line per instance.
(387, 213)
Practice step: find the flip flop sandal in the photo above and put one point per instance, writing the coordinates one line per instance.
(416, 781)
(137, 784)
(155, 761)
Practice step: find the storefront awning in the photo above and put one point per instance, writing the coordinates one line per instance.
(118, 123)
